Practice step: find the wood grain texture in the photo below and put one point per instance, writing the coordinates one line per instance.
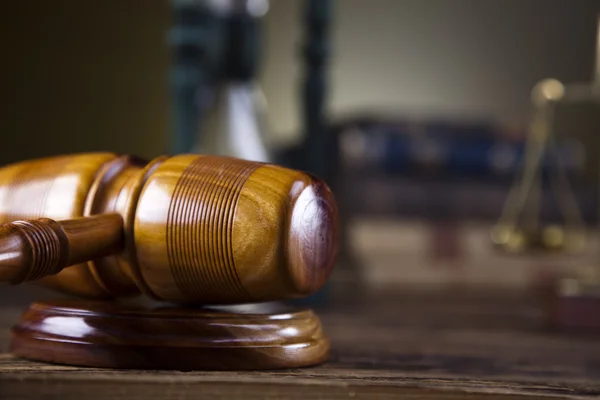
(196, 229)
(389, 345)
(34, 249)
(104, 334)
(56, 188)
(206, 192)
(115, 190)
(31, 250)
(219, 230)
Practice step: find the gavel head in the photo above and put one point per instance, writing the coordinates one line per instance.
(198, 229)
(227, 230)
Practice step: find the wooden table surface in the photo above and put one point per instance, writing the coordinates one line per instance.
(388, 345)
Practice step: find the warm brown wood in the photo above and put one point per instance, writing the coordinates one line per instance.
(233, 231)
(55, 188)
(33, 249)
(227, 388)
(392, 344)
(105, 334)
(93, 237)
(197, 229)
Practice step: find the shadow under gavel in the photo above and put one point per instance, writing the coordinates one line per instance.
(185, 229)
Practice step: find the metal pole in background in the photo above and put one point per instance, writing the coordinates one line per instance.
(314, 91)
(195, 40)
(596, 79)
(316, 154)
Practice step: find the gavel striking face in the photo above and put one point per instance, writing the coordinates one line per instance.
(185, 229)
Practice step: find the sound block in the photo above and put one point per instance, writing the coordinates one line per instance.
(105, 334)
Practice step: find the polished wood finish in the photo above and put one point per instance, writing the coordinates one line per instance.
(56, 188)
(33, 249)
(233, 231)
(391, 344)
(105, 334)
(197, 229)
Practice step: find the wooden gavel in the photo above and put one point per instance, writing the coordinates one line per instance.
(185, 229)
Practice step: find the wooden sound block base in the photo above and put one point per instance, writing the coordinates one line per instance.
(103, 334)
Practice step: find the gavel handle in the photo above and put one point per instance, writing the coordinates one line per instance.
(33, 249)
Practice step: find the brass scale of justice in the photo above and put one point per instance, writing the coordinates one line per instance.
(519, 229)
(187, 230)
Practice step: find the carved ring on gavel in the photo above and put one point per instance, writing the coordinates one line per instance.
(186, 229)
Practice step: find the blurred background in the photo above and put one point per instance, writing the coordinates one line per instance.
(418, 114)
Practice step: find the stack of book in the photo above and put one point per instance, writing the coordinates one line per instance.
(442, 169)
